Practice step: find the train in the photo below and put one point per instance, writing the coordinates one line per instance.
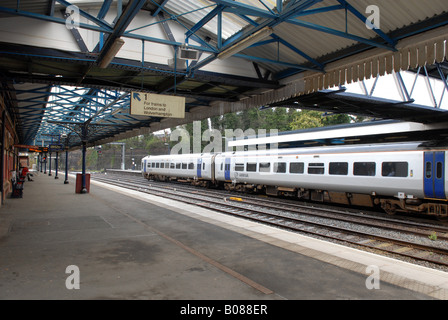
(405, 177)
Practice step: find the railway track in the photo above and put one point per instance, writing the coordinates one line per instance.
(424, 242)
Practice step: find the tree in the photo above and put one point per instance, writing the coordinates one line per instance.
(307, 119)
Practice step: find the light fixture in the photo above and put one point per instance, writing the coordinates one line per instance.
(245, 43)
(186, 53)
(111, 53)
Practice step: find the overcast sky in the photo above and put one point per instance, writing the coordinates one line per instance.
(386, 88)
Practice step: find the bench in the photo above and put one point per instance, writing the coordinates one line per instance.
(17, 186)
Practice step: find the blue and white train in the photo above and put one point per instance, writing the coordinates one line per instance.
(404, 177)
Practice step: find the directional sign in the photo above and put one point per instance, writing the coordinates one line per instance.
(157, 105)
(31, 148)
(56, 147)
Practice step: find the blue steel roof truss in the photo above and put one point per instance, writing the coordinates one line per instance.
(63, 107)
(66, 108)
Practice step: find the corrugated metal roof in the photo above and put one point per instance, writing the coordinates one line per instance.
(342, 34)
(198, 9)
(393, 15)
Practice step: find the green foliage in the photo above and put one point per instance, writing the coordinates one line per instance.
(306, 119)
(433, 236)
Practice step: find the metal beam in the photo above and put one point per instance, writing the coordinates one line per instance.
(270, 61)
(338, 33)
(218, 9)
(102, 28)
(99, 22)
(123, 22)
(246, 9)
(361, 17)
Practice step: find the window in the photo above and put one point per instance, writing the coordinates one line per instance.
(162, 165)
(172, 165)
(178, 165)
(338, 168)
(265, 167)
(394, 169)
(428, 171)
(296, 167)
(148, 165)
(239, 166)
(227, 166)
(203, 166)
(153, 165)
(251, 167)
(364, 168)
(439, 170)
(191, 165)
(184, 166)
(157, 164)
(316, 168)
(280, 167)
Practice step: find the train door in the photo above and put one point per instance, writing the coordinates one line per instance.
(144, 166)
(227, 169)
(434, 176)
(199, 168)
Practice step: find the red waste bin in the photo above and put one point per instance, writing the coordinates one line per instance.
(79, 182)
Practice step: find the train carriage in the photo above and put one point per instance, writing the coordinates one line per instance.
(192, 167)
(405, 177)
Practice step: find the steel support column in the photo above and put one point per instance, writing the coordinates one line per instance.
(84, 148)
(66, 166)
(56, 165)
(2, 155)
(49, 166)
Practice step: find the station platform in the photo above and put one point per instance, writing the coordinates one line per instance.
(128, 245)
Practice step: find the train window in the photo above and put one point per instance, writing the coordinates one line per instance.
(439, 170)
(172, 165)
(394, 169)
(364, 169)
(203, 166)
(265, 166)
(338, 168)
(184, 166)
(191, 165)
(296, 167)
(239, 166)
(153, 165)
(251, 167)
(222, 164)
(428, 171)
(157, 164)
(280, 167)
(316, 168)
(162, 165)
(178, 165)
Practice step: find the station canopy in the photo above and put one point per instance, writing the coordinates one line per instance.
(70, 67)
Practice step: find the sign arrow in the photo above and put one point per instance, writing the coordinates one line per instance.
(136, 95)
